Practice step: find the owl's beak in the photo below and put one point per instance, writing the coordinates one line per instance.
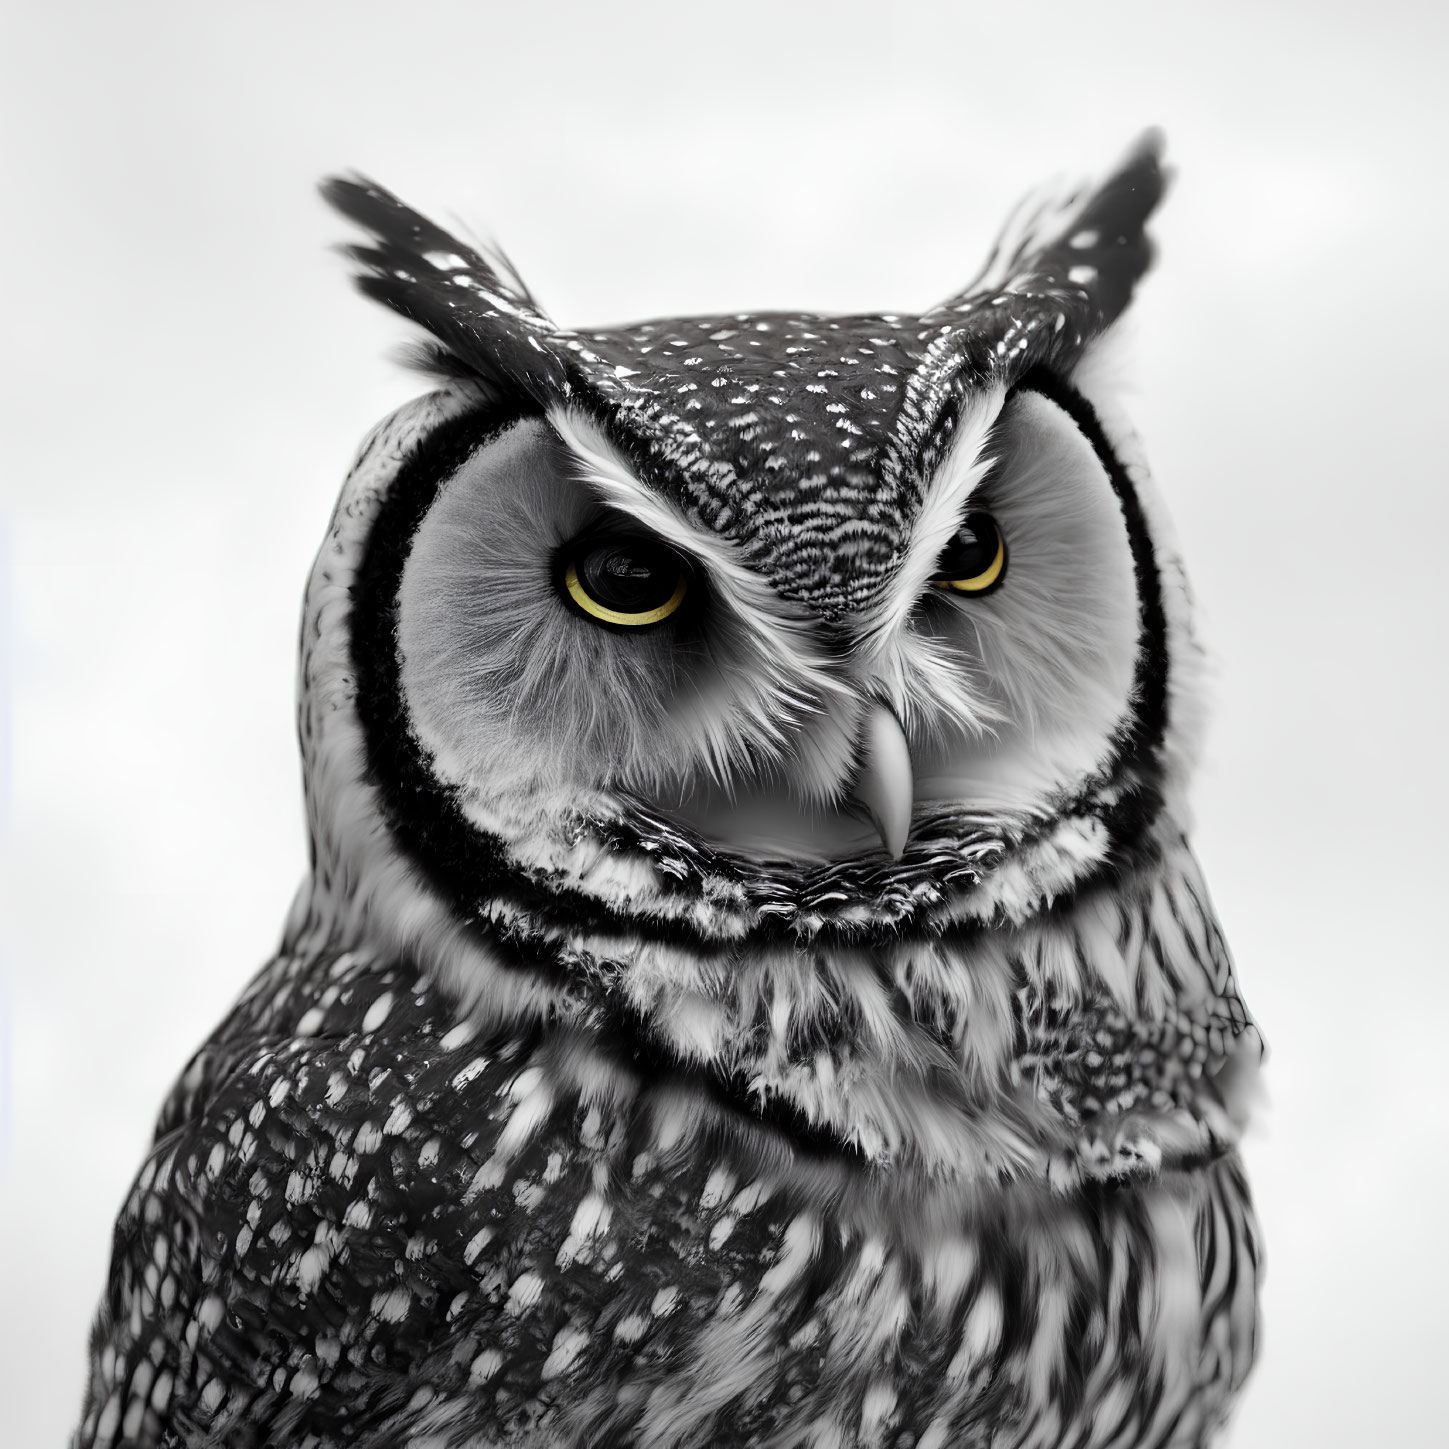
(887, 783)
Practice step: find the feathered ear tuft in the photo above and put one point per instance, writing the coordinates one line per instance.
(1108, 232)
(487, 323)
(1088, 247)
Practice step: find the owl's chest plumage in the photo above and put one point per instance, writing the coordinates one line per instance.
(416, 1232)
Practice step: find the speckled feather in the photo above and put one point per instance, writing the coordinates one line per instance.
(628, 1140)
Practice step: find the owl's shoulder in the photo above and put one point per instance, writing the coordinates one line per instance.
(360, 1208)
(322, 1187)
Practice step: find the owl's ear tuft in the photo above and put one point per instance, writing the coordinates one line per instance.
(408, 240)
(1085, 248)
(486, 323)
(1108, 231)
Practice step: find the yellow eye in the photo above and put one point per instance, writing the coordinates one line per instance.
(623, 582)
(974, 562)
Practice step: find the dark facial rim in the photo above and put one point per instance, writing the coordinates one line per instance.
(1138, 752)
(470, 866)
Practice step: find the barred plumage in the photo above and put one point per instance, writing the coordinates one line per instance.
(569, 1115)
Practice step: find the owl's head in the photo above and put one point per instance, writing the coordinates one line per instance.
(826, 622)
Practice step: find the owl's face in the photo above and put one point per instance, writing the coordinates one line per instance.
(567, 635)
(768, 607)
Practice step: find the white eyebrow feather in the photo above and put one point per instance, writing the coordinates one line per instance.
(958, 476)
(920, 675)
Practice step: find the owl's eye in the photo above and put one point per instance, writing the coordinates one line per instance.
(974, 562)
(628, 581)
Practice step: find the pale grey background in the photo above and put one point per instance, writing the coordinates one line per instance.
(185, 374)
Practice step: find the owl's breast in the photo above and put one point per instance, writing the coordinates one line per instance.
(367, 1215)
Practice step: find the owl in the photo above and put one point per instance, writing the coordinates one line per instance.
(753, 986)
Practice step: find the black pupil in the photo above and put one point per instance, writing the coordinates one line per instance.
(630, 576)
(972, 551)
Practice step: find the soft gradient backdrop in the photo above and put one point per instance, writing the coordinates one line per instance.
(185, 374)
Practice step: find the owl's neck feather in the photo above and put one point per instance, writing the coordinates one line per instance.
(1028, 1040)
